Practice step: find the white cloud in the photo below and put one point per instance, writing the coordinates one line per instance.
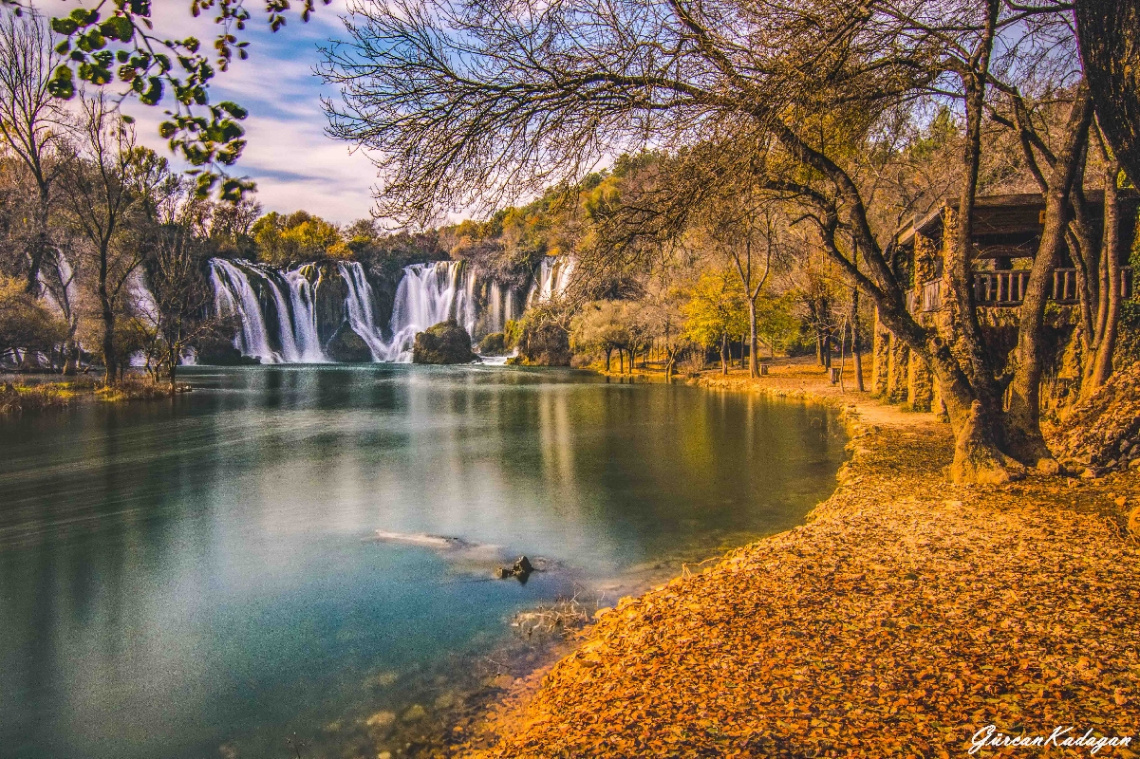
(295, 164)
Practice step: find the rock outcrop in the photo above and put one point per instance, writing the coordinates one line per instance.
(218, 351)
(347, 347)
(494, 344)
(443, 343)
(329, 295)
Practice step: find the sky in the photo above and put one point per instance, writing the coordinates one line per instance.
(295, 164)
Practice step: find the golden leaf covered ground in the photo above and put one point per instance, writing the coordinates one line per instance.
(907, 615)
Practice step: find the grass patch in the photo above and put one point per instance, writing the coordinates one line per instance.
(15, 399)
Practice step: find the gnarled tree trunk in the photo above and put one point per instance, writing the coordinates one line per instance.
(1109, 32)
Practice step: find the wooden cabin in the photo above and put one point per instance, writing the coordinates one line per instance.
(1007, 231)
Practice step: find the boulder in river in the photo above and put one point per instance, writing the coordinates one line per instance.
(443, 343)
(348, 347)
(521, 569)
(494, 344)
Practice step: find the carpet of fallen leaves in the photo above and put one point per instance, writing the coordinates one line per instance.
(906, 615)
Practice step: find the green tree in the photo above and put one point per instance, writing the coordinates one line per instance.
(114, 42)
(300, 236)
(26, 325)
(601, 328)
(716, 312)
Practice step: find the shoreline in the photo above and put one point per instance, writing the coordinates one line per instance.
(519, 661)
(904, 616)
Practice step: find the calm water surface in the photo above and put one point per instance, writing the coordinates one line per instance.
(195, 578)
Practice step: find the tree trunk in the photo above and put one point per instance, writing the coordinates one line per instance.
(842, 355)
(753, 366)
(41, 243)
(609, 352)
(1023, 419)
(963, 313)
(975, 420)
(110, 359)
(71, 358)
(724, 357)
(1109, 32)
(621, 361)
(172, 371)
(855, 338)
(1110, 256)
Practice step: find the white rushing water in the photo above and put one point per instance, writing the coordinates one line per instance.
(427, 294)
(358, 304)
(304, 315)
(233, 294)
(553, 278)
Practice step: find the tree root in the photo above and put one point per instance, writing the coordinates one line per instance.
(977, 458)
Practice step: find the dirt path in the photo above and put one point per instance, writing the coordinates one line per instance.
(906, 616)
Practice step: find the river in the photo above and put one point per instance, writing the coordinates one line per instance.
(198, 577)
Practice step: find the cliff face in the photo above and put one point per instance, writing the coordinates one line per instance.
(384, 280)
(329, 294)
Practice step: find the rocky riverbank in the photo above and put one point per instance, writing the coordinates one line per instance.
(904, 618)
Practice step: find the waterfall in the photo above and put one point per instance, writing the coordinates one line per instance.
(496, 298)
(358, 303)
(233, 294)
(304, 315)
(552, 280)
(427, 294)
(296, 333)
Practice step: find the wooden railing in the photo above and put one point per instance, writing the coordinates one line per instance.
(932, 296)
(1007, 288)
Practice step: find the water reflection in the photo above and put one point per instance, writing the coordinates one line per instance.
(178, 576)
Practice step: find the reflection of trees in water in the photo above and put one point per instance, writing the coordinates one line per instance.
(557, 443)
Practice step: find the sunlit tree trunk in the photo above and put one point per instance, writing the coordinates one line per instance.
(753, 365)
(1023, 435)
(855, 346)
(1101, 362)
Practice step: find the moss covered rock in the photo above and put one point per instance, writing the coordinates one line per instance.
(494, 344)
(443, 343)
(329, 295)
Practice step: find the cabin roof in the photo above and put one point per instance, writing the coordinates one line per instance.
(1007, 226)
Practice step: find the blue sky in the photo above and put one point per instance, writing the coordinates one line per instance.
(295, 164)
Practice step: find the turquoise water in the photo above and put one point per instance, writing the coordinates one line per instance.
(196, 578)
